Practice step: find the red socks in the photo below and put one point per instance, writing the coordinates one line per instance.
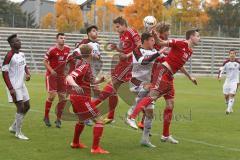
(60, 107)
(97, 134)
(113, 101)
(78, 130)
(167, 115)
(141, 104)
(47, 109)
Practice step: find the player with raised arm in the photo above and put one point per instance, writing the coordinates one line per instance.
(231, 66)
(162, 72)
(15, 71)
(163, 32)
(143, 59)
(55, 62)
(79, 81)
(129, 40)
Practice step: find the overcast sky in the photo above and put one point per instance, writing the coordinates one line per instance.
(121, 2)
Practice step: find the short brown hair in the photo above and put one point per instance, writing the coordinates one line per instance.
(85, 50)
(162, 27)
(191, 32)
(60, 34)
(120, 20)
(146, 36)
(232, 50)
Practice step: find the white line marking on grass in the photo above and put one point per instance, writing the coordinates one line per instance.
(154, 134)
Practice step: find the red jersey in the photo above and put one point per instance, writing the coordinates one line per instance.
(128, 41)
(178, 55)
(57, 59)
(83, 77)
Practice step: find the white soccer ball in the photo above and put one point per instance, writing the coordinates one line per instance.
(149, 22)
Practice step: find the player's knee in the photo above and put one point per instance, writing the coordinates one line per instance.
(51, 96)
(149, 113)
(26, 107)
(61, 97)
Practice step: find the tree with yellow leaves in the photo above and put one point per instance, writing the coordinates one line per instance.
(103, 13)
(48, 21)
(136, 12)
(68, 16)
(190, 14)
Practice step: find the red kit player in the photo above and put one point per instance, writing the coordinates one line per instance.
(55, 62)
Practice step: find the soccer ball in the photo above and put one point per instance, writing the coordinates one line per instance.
(149, 22)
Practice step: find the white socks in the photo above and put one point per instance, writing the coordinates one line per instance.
(147, 128)
(19, 120)
(230, 103)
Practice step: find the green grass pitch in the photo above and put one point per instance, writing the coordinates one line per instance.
(199, 123)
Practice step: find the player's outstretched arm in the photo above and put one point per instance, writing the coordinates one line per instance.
(159, 41)
(185, 72)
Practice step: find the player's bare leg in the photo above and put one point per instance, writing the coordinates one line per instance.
(230, 103)
(59, 108)
(48, 104)
(167, 117)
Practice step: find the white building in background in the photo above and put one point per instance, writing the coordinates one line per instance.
(38, 8)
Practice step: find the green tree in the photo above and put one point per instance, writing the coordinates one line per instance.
(225, 19)
(11, 15)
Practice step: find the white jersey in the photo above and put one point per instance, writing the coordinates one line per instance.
(140, 71)
(95, 47)
(14, 64)
(232, 71)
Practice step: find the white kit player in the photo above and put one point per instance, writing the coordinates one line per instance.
(15, 71)
(231, 66)
(96, 63)
(141, 76)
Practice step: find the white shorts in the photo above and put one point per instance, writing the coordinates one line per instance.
(230, 88)
(141, 93)
(21, 94)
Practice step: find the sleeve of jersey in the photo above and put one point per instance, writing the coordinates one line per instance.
(135, 36)
(149, 59)
(5, 70)
(81, 70)
(221, 70)
(48, 54)
(84, 41)
(172, 43)
(137, 54)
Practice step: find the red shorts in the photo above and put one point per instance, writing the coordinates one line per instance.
(171, 93)
(162, 80)
(55, 84)
(83, 107)
(122, 71)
